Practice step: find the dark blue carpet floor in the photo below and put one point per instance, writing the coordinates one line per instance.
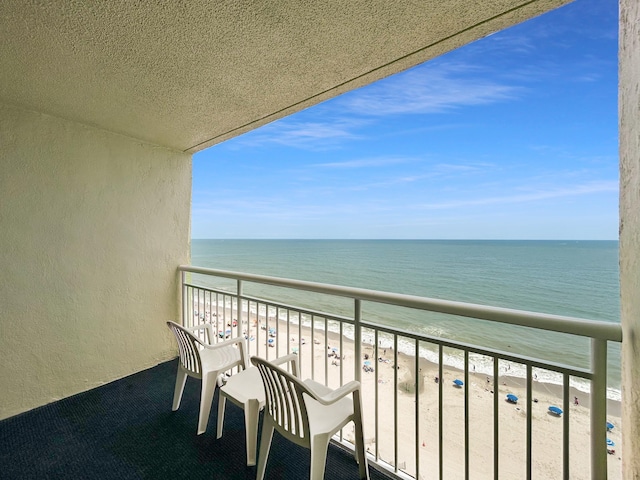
(126, 430)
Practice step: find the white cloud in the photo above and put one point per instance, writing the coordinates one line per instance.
(540, 194)
(365, 163)
(429, 89)
(301, 134)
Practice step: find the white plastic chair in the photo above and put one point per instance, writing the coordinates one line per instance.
(205, 361)
(245, 390)
(308, 414)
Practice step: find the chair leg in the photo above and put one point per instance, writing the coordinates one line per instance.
(319, 447)
(265, 446)
(206, 398)
(181, 379)
(222, 402)
(251, 417)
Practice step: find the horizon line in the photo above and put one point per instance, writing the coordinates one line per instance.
(429, 239)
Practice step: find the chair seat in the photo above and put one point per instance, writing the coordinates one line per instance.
(216, 359)
(245, 386)
(326, 418)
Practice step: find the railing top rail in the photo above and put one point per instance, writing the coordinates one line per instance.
(557, 323)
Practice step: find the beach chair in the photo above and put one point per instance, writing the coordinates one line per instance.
(205, 361)
(308, 414)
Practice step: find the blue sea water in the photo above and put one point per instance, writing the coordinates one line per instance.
(572, 278)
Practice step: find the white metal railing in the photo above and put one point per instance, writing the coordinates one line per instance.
(262, 322)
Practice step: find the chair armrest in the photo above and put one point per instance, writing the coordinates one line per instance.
(293, 358)
(242, 346)
(335, 395)
(206, 326)
(226, 343)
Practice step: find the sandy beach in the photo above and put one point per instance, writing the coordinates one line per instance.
(318, 361)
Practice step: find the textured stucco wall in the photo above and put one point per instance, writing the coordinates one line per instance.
(93, 226)
(629, 104)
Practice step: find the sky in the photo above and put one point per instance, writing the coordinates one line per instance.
(514, 136)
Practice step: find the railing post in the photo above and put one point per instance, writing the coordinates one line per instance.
(599, 409)
(184, 297)
(357, 338)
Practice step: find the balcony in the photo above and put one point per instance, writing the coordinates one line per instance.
(415, 426)
(418, 422)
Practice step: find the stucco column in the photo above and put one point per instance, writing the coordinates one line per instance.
(629, 112)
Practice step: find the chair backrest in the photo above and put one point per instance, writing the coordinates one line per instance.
(284, 401)
(188, 347)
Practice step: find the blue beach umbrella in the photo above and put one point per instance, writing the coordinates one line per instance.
(458, 383)
(610, 426)
(555, 410)
(512, 398)
(610, 443)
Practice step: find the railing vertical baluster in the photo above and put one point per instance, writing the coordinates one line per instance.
(195, 292)
(248, 327)
(199, 294)
(299, 340)
(496, 426)
(326, 351)
(312, 347)
(258, 307)
(239, 313)
(341, 353)
(529, 427)
(277, 332)
(357, 338)
(598, 409)
(266, 331)
(466, 414)
(440, 408)
(218, 313)
(565, 427)
(288, 332)
(376, 389)
(395, 402)
(418, 378)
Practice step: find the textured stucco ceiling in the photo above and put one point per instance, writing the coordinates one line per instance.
(189, 74)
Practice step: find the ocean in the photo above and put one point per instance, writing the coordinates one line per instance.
(572, 278)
